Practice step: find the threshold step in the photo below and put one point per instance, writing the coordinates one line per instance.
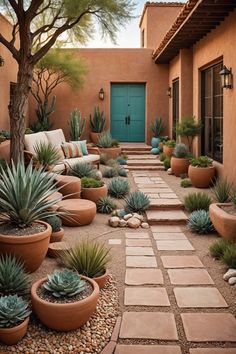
(167, 217)
(165, 204)
(153, 162)
(144, 167)
(142, 157)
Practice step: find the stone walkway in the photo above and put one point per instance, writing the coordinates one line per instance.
(170, 296)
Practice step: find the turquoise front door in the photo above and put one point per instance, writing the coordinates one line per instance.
(128, 112)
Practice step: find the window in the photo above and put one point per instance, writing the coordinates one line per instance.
(212, 113)
(175, 106)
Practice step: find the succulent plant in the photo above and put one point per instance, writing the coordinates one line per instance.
(162, 157)
(113, 163)
(13, 311)
(105, 140)
(110, 172)
(122, 172)
(88, 182)
(97, 122)
(46, 153)
(121, 160)
(157, 127)
(201, 161)
(115, 143)
(229, 256)
(55, 223)
(200, 222)
(136, 202)
(197, 201)
(218, 248)
(76, 125)
(221, 190)
(170, 143)
(65, 283)
(166, 163)
(13, 278)
(186, 182)
(181, 151)
(103, 159)
(83, 169)
(118, 188)
(105, 205)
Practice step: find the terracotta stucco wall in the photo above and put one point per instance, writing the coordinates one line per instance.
(106, 66)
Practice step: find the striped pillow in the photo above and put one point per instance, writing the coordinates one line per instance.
(71, 150)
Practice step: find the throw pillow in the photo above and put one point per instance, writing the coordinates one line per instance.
(71, 150)
(83, 145)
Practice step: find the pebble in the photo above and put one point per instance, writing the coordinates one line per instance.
(114, 221)
(134, 223)
(122, 223)
(145, 225)
(229, 274)
(232, 281)
(127, 216)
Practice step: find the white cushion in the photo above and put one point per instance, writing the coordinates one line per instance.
(88, 158)
(32, 139)
(55, 137)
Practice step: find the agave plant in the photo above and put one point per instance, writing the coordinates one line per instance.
(13, 311)
(76, 125)
(88, 257)
(110, 172)
(83, 169)
(97, 123)
(25, 195)
(13, 278)
(105, 205)
(105, 140)
(118, 188)
(66, 283)
(136, 202)
(46, 153)
(200, 222)
(221, 190)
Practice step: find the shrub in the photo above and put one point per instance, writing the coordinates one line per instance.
(162, 157)
(136, 202)
(97, 122)
(188, 128)
(83, 169)
(221, 190)
(118, 188)
(46, 153)
(200, 222)
(76, 125)
(197, 201)
(181, 151)
(218, 248)
(166, 163)
(87, 257)
(105, 140)
(201, 161)
(13, 311)
(88, 182)
(122, 172)
(13, 278)
(55, 223)
(110, 172)
(115, 143)
(157, 127)
(229, 256)
(186, 182)
(105, 205)
(170, 143)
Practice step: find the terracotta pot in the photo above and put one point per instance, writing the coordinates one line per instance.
(5, 150)
(179, 165)
(168, 151)
(101, 281)
(201, 177)
(94, 137)
(30, 249)
(94, 194)
(224, 223)
(57, 236)
(161, 146)
(111, 153)
(80, 212)
(67, 316)
(13, 335)
(69, 186)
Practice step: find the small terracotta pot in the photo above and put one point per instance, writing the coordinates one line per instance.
(70, 186)
(67, 316)
(101, 281)
(179, 165)
(57, 236)
(201, 177)
(168, 151)
(30, 249)
(5, 150)
(13, 335)
(224, 223)
(111, 153)
(94, 137)
(94, 194)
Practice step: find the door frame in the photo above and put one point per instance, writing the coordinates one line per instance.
(175, 106)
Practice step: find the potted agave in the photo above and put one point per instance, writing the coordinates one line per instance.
(57, 230)
(179, 160)
(64, 300)
(168, 147)
(157, 128)
(14, 319)
(93, 189)
(108, 146)
(25, 202)
(201, 171)
(97, 125)
(89, 258)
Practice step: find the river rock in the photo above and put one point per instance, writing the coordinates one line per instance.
(232, 280)
(122, 223)
(169, 171)
(145, 225)
(138, 216)
(114, 221)
(127, 216)
(134, 223)
(229, 274)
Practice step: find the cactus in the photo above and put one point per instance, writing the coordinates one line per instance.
(83, 169)
(55, 223)
(65, 283)
(136, 202)
(43, 113)
(13, 311)
(118, 188)
(105, 205)
(181, 151)
(197, 201)
(97, 123)
(200, 222)
(76, 125)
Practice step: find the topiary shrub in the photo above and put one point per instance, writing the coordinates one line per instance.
(200, 222)
(87, 182)
(83, 169)
(136, 202)
(218, 248)
(118, 188)
(197, 201)
(221, 190)
(110, 172)
(166, 163)
(55, 223)
(185, 183)
(105, 205)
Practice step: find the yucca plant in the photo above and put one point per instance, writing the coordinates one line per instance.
(110, 172)
(218, 248)
(200, 222)
(13, 311)
(13, 278)
(66, 283)
(197, 201)
(118, 188)
(105, 140)
(221, 190)
(87, 257)
(83, 169)
(55, 223)
(24, 195)
(46, 154)
(157, 127)
(97, 122)
(136, 202)
(76, 125)
(105, 205)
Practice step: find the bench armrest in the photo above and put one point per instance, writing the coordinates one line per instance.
(93, 150)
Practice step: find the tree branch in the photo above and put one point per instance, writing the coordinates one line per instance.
(10, 47)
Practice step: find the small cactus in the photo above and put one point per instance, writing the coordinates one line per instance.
(55, 223)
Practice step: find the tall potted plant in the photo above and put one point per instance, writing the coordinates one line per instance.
(201, 171)
(76, 125)
(180, 160)
(108, 146)
(157, 128)
(189, 129)
(97, 124)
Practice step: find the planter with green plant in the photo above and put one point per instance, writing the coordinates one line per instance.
(180, 160)
(64, 300)
(188, 128)
(108, 146)
(76, 125)
(157, 127)
(47, 155)
(97, 124)
(57, 230)
(201, 171)
(168, 147)
(93, 189)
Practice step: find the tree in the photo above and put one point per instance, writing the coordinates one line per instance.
(188, 127)
(56, 67)
(39, 24)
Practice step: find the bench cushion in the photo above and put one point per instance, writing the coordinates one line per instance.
(32, 139)
(55, 137)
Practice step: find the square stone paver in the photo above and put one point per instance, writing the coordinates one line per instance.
(165, 195)
(139, 251)
(165, 228)
(148, 349)
(208, 327)
(143, 296)
(213, 351)
(136, 235)
(148, 325)
(141, 261)
(162, 216)
(174, 245)
(169, 236)
(189, 277)
(199, 297)
(166, 203)
(156, 190)
(181, 262)
(114, 241)
(152, 185)
(143, 276)
(138, 242)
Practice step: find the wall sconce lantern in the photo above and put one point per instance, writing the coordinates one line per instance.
(2, 61)
(101, 94)
(226, 77)
(168, 92)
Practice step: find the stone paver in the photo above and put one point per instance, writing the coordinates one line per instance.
(169, 236)
(141, 180)
(143, 276)
(152, 185)
(165, 195)
(213, 351)
(165, 228)
(199, 297)
(189, 277)
(156, 190)
(143, 296)
(208, 327)
(136, 235)
(174, 245)
(141, 261)
(167, 216)
(181, 262)
(138, 242)
(139, 251)
(148, 325)
(114, 241)
(166, 203)
(148, 349)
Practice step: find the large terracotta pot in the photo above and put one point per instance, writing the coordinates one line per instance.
(101, 281)
(224, 223)
(179, 165)
(168, 151)
(201, 177)
(57, 236)
(94, 194)
(5, 150)
(111, 153)
(94, 137)
(66, 316)
(13, 335)
(31, 249)
(69, 186)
